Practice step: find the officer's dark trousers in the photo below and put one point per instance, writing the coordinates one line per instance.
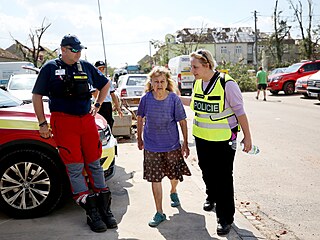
(216, 162)
(106, 111)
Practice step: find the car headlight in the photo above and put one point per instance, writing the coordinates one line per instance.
(105, 135)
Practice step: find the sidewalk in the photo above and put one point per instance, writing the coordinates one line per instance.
(133, 204)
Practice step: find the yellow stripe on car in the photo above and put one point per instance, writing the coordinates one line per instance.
(18, 124)
(109, 154)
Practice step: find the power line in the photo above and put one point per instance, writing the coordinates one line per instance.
(104, 48)
(246, 19)
(255, 41)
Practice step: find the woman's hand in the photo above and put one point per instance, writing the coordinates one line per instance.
(140, 143)
(185, 150)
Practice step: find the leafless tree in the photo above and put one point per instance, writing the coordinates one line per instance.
(281, 31)
(35, 54)
(307, 43)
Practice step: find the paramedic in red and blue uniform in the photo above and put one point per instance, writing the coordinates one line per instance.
(68, 82)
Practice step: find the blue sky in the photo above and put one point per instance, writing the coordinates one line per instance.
(129, 25)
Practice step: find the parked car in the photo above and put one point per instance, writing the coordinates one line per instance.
(277, 70)
(33, 179)
(131, 87)
(286, 81)
(116, 74)
(313, 85)
(21, 86)
(9, 68)
(301, 86)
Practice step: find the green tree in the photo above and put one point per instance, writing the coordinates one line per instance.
(242, 75)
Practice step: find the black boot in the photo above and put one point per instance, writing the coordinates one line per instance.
(93, 216)
(104, 200)
(208, 206)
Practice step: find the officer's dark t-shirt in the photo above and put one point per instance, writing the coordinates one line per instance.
(49, 79)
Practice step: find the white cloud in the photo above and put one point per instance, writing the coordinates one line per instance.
(128, 27)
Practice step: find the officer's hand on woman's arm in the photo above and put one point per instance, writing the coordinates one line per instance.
(186, 100)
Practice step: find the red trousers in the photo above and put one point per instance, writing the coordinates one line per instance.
(80, 148)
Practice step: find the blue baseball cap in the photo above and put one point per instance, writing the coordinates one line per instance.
(72, 41)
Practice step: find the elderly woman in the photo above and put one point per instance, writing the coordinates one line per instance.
(161, 109)
(218, 106)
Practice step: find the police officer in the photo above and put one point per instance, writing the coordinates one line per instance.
(218, 106)
(67, 81)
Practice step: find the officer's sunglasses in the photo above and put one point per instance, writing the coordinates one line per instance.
(203, 55)
(74, 50)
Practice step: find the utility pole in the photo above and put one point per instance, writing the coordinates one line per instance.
(255, 42)
(104, 48)
(151, 62)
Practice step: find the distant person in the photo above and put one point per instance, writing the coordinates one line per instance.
(261, 83)
(218, 105)
(68, 81)
(106, 107)
(161, 109)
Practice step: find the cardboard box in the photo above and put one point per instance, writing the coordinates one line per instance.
(122, 126)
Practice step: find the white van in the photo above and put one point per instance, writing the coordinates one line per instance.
(10, 68)
(180, 69)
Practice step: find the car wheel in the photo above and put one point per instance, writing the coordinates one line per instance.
(274, 92)
(305, 95)
(31, 183)
(288, 88)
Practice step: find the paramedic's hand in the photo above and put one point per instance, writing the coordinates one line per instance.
(94, 110)
(45, 131)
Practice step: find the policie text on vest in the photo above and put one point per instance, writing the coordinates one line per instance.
(206, 107)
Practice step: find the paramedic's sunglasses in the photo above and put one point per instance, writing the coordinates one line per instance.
(74, 50)
(203, 55)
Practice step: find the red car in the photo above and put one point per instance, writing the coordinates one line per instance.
(33, 179)
(286, 81)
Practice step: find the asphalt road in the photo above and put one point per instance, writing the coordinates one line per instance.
(281, 184)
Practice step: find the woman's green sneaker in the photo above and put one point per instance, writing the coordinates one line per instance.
(174, 200)
(157, 219)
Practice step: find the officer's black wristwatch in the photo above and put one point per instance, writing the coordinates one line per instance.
(97, 105)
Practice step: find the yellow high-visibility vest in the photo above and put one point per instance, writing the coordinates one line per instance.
(211, 119)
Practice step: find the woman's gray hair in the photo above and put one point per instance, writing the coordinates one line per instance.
(205, 57)
(158, 71)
